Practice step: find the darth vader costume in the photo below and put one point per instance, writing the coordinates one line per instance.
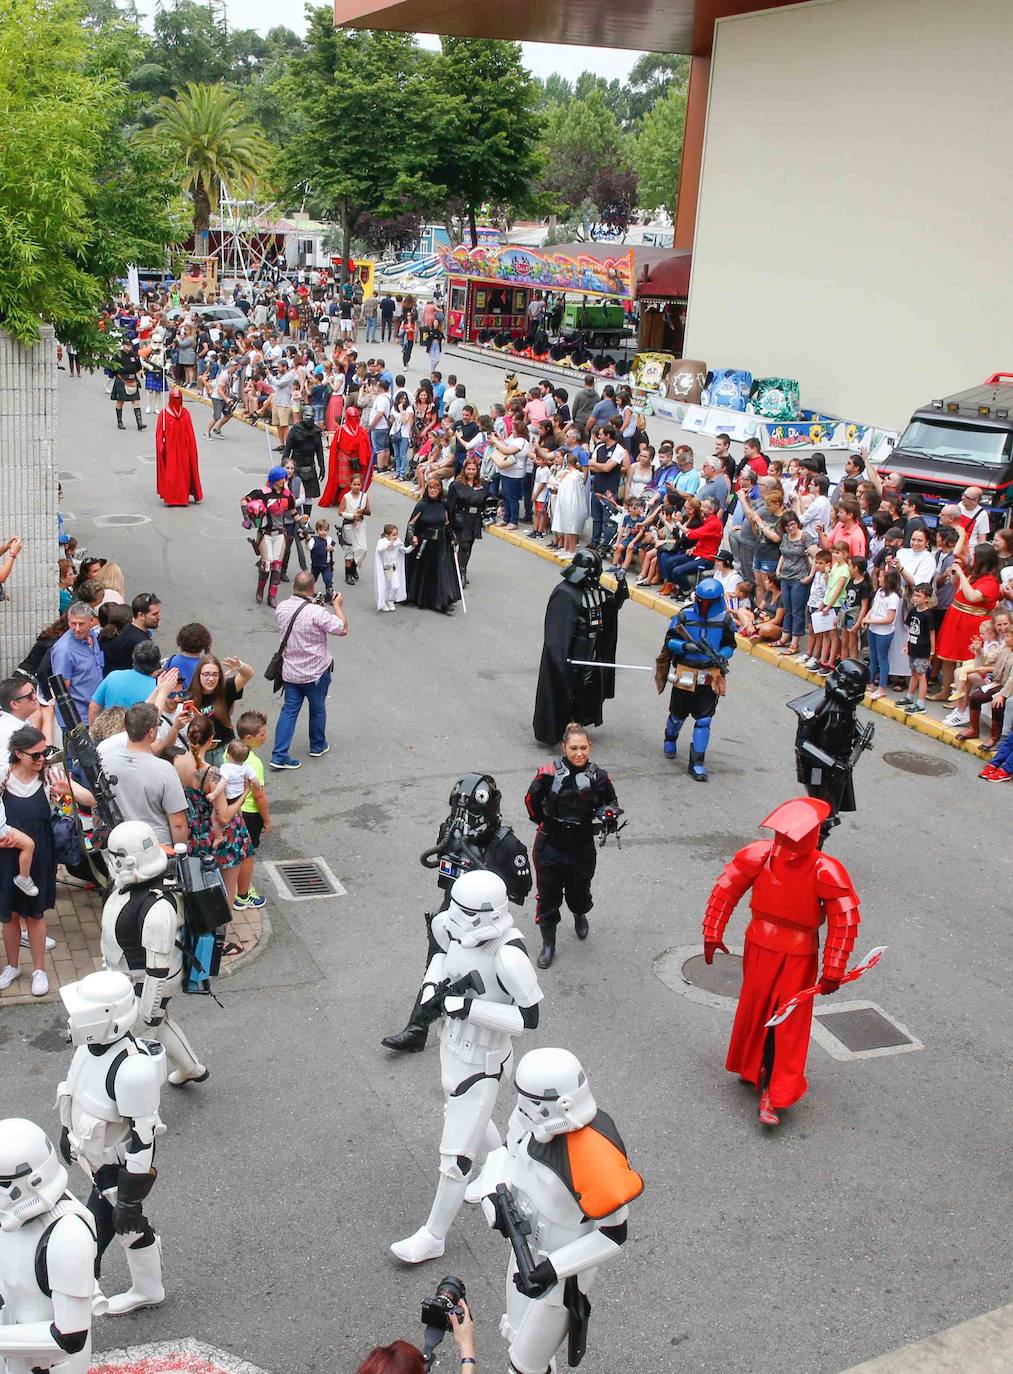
(829, 740)
(581, 622)
(472, 837)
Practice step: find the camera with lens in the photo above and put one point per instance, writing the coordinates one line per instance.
(323, 598)
(437, 1312)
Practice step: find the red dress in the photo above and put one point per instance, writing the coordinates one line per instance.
(177, 476)
(350, 446)
(962, 621)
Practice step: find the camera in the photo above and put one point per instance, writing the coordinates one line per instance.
(437, 1312)
(323, 598)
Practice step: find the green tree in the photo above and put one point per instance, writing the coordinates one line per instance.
(652, 75)
(658, 151)
(203, 133)
(485, 126)
(588, 164)
(363, 104)
(188, 46)
(67, 226)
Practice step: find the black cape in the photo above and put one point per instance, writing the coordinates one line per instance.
(562, 695)
(430, 570)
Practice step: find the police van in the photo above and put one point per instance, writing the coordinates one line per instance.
(960, 441)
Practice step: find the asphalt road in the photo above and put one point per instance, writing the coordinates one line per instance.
(878, 1213)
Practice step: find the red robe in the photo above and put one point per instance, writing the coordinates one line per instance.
(351, 444)
(177, 476)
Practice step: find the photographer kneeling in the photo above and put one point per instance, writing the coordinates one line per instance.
(400, 1357)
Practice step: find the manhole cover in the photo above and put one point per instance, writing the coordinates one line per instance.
(104, 520)
(861, 1030)
(254, 472)
(69, 476)
(300, 880)
(926, 765)
(723, 977)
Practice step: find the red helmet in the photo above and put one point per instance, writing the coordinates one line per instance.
(797, 822)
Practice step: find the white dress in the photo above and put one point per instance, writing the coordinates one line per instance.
(570, 513)
(355, 533)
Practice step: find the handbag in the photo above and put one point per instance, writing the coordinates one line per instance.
(273, 671)
(67, 844)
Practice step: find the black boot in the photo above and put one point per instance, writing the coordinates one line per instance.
(548, 950)
(261, 584)
(349, 579)
(119, 420)
(272, 591)
(284, 561)
(412, 1039)
(137, 417)
(581, 926)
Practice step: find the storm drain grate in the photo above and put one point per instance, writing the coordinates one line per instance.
(861, 1030)
(301, 880)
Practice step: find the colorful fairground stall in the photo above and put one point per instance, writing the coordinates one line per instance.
(489, 288)
(662, 298)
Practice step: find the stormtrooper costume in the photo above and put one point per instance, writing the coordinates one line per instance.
(142, 930)
(475, 936)
(109, 1111)
(571, 1182)
(47, 1258)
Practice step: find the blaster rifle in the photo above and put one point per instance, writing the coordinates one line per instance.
(702, 647)
(79, 745)
(432, 1010)
(516, 1228)
(863, 741)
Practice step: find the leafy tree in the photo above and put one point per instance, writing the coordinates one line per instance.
(554, 90)
(589, 171)
(203, 133)
(396, 234)
(188, 46)
(484, 124)
(363, 102)
(613, 93)
(652, 75)
(67, 227)
(658, 151)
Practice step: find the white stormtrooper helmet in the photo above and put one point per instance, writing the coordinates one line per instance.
(479, 908)
(134, 854)
(100, 1008)
(553, 1094)
(32, 1177)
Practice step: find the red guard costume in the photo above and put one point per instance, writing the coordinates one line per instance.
(795, 889)
(177, 476)
(351, 452)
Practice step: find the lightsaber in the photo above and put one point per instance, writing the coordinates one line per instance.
(870, 961)
(460, 581)
(593, 663)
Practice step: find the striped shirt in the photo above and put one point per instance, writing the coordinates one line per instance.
(307, 656)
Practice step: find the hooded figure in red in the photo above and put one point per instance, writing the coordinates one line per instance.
(351, 452)
(177, 476)
(795, 889)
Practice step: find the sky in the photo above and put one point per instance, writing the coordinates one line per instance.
(542, 59)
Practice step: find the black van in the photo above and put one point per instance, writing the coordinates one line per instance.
(959, 441)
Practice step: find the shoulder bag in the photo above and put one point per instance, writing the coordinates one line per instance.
(273, 671)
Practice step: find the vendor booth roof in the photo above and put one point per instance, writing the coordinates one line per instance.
(667, 279)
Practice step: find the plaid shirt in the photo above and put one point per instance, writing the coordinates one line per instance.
(307, 656)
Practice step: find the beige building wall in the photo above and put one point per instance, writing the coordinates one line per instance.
(856, 205)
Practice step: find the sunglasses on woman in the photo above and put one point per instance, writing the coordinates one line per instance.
(39, 754)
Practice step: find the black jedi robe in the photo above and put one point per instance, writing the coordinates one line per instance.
(565, 693)
(429, 566)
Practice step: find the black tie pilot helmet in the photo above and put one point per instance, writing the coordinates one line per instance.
(848, 681)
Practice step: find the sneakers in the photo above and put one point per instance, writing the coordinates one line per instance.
(812, 663)
(286, 762)
(957, 718)
(50, 942)
(248, 900)
(905, 701)
(319, 753)
(26, 885)
(990, 774)
(917, 708)
(8, 976)
(40, 983)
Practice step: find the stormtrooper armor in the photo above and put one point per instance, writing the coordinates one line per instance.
(571, 1183)
(109, 1111)
(477, 940)
(47, 1258)
(142, 930)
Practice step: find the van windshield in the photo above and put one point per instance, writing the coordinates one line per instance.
(954, 442)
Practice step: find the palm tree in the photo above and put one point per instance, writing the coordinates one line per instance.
(203, 131)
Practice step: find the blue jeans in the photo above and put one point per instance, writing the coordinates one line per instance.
(676, 567)
(879, 658)
(513, 490)
(793, 598)
(315, 693)
(399, 447)
(371, 329)
(601, 513)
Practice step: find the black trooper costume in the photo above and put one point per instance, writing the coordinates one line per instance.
(581, 622)
(565, 802)
(829, 740)
(472, 837)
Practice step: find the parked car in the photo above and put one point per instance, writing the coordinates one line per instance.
(959, 441)
(218, 314)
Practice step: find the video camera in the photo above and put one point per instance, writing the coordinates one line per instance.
(437, 1313)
